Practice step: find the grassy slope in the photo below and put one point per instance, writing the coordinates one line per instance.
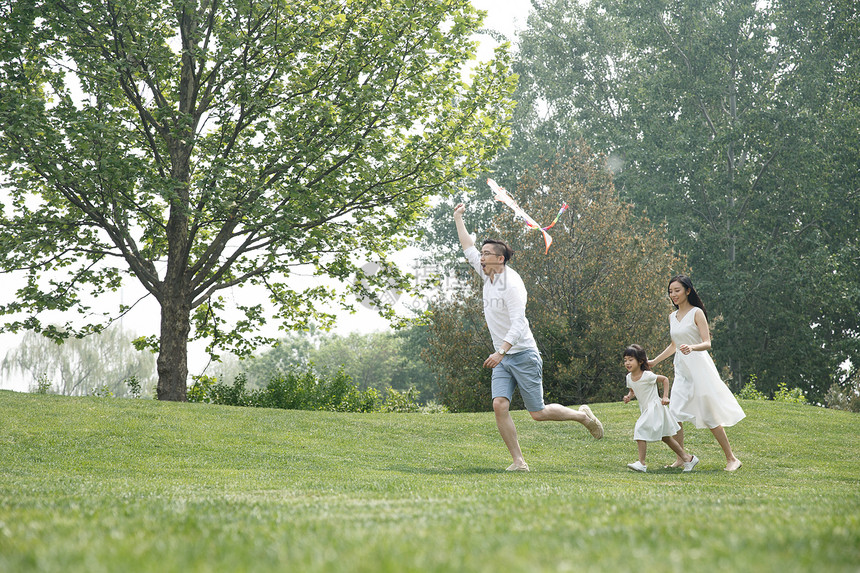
(90, 484)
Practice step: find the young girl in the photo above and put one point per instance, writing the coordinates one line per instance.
(655, 422)
(698, 393)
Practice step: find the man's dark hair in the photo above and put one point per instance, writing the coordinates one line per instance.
(500, 248)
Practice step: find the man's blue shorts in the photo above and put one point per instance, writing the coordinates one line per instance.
(523, 369)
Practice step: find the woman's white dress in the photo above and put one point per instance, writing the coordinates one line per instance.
(655, 422)
(698, 393)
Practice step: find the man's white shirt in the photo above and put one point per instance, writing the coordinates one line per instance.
(505, 300)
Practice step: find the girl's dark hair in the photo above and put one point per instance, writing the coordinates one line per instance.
(693, 296)
(638, 353)
(500, 247)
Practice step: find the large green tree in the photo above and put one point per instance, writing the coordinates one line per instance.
(199, 145)
(736, 122)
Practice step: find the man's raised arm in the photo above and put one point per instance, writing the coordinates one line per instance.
(465, 239)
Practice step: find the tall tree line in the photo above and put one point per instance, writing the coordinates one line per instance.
(736, 123)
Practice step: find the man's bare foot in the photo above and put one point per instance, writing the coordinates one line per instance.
(592, 423)
(733, 465)
(677, 463)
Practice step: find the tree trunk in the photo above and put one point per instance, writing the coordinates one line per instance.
(173, 348)
(175, 296)
(175, 303)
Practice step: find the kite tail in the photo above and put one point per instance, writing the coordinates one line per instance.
(546, 239)
(557, 217)
(500, 194)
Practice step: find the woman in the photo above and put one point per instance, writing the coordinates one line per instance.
(698, 393)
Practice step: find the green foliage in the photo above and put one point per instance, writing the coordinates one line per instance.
(356, 400)
(201, 388)
(372, 360)
(133, 385)
(735, 123)
(750, 392)
(198, 148)
(43, 384)
(408, 403)
(230, 395)
(380, 360)
(458, 340)
(782, 394)
(304, 389)
(793, 396)
(240, 489)
(434, 407)
(413, 373)
(403, 402)
(102, 391)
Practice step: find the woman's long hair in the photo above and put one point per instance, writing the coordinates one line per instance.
(639, 354)
(693, 296)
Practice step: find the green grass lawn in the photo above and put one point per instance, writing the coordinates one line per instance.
(103, 484)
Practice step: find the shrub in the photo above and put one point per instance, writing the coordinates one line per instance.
(356, 400)
(434, 407)
(401, 401)
(201, 388)
(42, 386)
(304, 389)
(750, 392)
(793, 396)
(291, 390)
(133, 385)
(234, 395)
(102, 391)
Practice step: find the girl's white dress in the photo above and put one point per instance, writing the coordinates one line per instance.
(655, 422)
(698, 393)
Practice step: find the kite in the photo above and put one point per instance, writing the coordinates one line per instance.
(499, 194)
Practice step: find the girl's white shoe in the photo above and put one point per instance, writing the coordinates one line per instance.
(688, 466)
(638, 466)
